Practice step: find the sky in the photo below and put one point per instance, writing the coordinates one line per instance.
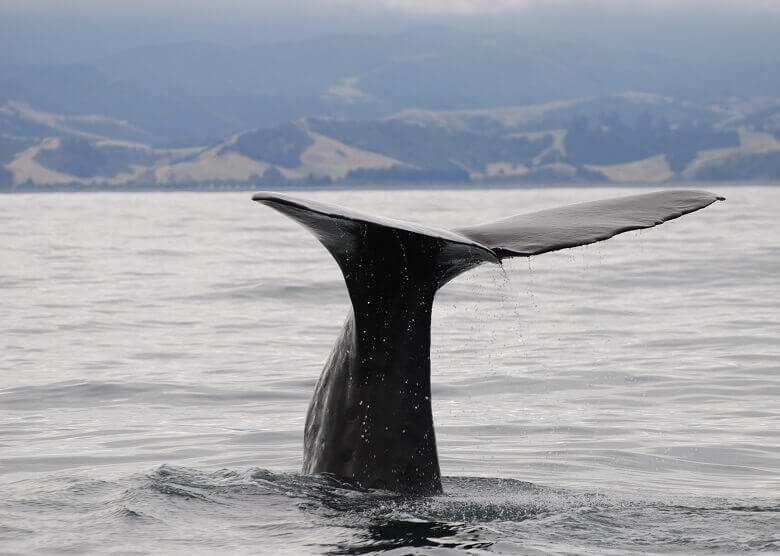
(276, 8)
(63, 31)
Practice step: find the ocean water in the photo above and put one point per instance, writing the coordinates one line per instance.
(159, 351)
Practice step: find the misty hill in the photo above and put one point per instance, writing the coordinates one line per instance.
(627, 138)
(194, 93)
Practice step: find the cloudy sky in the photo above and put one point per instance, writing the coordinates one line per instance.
(54, 31)
(243, 8)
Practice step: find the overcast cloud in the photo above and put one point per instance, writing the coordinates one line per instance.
(278, 8)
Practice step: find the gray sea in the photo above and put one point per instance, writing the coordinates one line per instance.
(158, 352)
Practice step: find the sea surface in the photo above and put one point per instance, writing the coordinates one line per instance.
(158, 352)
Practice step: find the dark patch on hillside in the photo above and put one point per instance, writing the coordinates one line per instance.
(744, 167)
(11, 124)
(11, 146)
(6, 178)
(431, 147)
(766, 119)
(282, 145)
(82, 159)
(611, 141)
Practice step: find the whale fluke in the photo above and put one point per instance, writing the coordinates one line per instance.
(583, 223)
(370, 419)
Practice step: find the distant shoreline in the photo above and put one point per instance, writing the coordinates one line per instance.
(381, 187)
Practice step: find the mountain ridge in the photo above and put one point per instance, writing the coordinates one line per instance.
(622, 138)
(188, 94)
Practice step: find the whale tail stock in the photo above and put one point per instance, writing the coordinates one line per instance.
(370, 418)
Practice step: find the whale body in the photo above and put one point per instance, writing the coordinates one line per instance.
(370, 420)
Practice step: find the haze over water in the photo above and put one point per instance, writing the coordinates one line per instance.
(159, 351)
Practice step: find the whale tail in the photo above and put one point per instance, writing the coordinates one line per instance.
(370, 419)
(345, 232)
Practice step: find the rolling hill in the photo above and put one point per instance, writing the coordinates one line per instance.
(621, 138)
